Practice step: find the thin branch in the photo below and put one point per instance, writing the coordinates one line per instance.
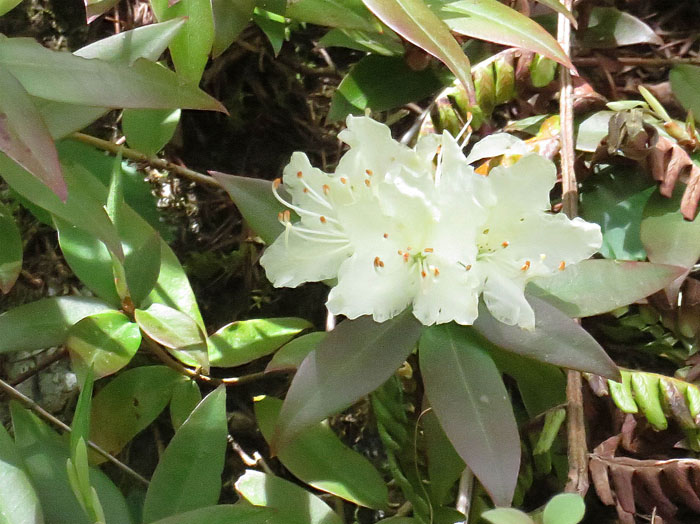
(576, 429)
(592, 61)
(58, 355)
(36, 408)
(155, 162)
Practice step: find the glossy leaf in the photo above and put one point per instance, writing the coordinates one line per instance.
(381, 83)
(24, 136)
(190, 48)
(667, 237)
(609, 28)
(348, 14)
(44, 323)
(45, 454)
(318, 457)
(80, 426)
(188, 475)
(495, 22)
(176, 331)
(684, 81)
(12, 249)
(565, 508)
(142, 267)
(466, 392)
(149, 130)
(246, 340)
(254, 199)
(506, 516)
(96, 8)
(230, 18)
(19, 503)
(64, 77)
(105, 342)
(8, 5)
(135, 398)
(592, 287)
(386, 43)
(223, 514)
(291, 355)
(354, 359)
(298, 505)
(556, 339)
(186, 396)
(413, 20)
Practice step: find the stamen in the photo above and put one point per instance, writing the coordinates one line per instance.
(367, 182)
(562, 265)
(276, 183)
(428, 250)
(409, 248)
(468, 267)
(279, 216)
(306, 190)
(505, 243)
(326, 189)
(377, 260)
(405, 257)
(369, 172)
(525, 266)
(436, 271)
(386, 235)
(486, 231)
(400, 252)
(299, 174)
(299, 210)
(287, 215)
(343, 180)
(423, 274)
(322, 219)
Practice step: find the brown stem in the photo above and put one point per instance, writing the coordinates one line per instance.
(592, 61)
(41, 412)
(152, 161)
(576, 429)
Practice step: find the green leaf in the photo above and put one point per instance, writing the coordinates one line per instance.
(556, 339)
(273, 25)
(506, 516)
(19, 503)
(44, 323)
(64, 77)
(230, 19)
(256, 202)
(142, 266)
(609, 28)
(413, 20)
(381, 83)
(592, 287)
(493, 21)
(557, 6)
(684, 81)
(347, 14)
(148, 130)
(80, 427)
(667, 237)
(105, 342)
(298, 505)
(386, 43)
(615, 199)
(176, 331)
(223, 514)
(96, 8)
(542, 71)
(647, 396)
(186, 396)
(188, 475)
(354, 359)
(24, 135)
(134, 398)
(12, 249)
(565, 508)
(466, 392)
(190, 48)
(290, 356)
(445, 466)
(45, 454)
(8, 5)
(244, 341)
(592, 130)
(318, 457)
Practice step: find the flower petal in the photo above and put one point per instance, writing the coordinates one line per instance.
(293, 259)
(364, 289)
(496, 145)
(525, 185)
(453, 295)
(505, 299)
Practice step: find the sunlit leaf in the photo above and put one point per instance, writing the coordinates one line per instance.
(348, 14)
(188, 475)
(8, 5)
(149, 130)
(354, 359)
(186, 396)
(96, 8)
(246, 340)
(318, 457)
(290, 356)
(223, 514)
(142, 267)
(506, 516)
(684, 81)
(298, 505)
(230, 18)
(609, 28)
(386, 43)
(565, 508)
(556, 339)
(592, 287)
(12, 250)
(466, 392)
(19, 503)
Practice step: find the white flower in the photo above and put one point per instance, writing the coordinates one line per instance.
(417, 227)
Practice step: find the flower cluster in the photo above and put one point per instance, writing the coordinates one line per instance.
(400, 227)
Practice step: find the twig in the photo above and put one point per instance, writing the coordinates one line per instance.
(36, 408)
(39, 367)
(576, 429)
(592, 61)
(152, 161)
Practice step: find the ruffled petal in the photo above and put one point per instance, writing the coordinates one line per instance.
(505, 299)
(452, 295)
(365, 289)
(293, 259)
(525, 185)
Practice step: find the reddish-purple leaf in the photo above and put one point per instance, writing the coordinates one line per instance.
(353, 360)
(24, 136)
(466, 392)
(414, 21)
(556, 339)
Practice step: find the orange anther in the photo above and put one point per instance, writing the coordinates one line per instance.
(326, 189)
(287, 215)
(505, 243)
(423, 274)
(405, 257)
(428, 250)
(299, 174)
(386, 235)
(367, 182)
(369, 172)
(343, 180)
(468, 267)
(562, 265)
(306, 190)
(322, 219)
(525, 266)
(276, 182)
(436, 271)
